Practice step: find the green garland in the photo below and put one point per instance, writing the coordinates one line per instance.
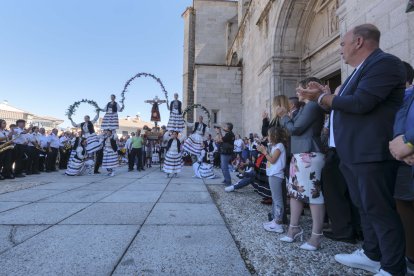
(72, 108)
(194, 106)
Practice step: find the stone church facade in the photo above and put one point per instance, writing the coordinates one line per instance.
(238, 55)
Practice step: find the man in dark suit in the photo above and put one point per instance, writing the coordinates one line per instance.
(361, 127)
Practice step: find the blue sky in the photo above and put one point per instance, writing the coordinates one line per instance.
(53, 53)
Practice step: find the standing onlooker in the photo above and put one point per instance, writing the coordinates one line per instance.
(305, 168)
(361, 126)
(402, 148)
(226, 150)
(294, 106)
(136, 151)
(238, 145)
(148, 153)
(276, 162)
(53, 146)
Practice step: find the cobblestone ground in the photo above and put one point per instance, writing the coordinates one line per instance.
(263, 252)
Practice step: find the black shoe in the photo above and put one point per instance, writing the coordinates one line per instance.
(97, 172)
(9, 176)
(19, 175)
(330, 235)
(36, 173)
(2, 177)
(143, 169)
(130, 170)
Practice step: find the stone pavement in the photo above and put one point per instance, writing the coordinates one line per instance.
(130, 224)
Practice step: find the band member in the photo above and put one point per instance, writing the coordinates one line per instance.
(173, 160)
(176, 121)
(79, 164)
(110, 153)
(43, 139)
(194, 144)
(64, 150)
(53, 145)
(88, 132)
(32, 166)
(20, 148)
(110, 119)
(6, 156)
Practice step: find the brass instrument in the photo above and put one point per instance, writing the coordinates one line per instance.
(67, 146)
(9, 144)
(6, 146)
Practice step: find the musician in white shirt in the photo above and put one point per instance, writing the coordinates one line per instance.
(20, 148)
(53, 149)
(43, 139)
(64, 150)
(33, 139)
(6, 157)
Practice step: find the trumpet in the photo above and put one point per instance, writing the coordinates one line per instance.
(66, 146)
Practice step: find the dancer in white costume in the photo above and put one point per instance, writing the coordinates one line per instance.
(110, 153)
(79, 164)
(173, 160)
(202, 168)
(176, 121)
(110, 119)
(88, 132)
(194, 143)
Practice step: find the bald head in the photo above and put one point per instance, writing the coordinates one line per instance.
(368, 32)
(358, 43)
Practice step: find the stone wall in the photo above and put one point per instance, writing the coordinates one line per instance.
(218, 88)
(280, 42)
(389, 16)
(211, 20)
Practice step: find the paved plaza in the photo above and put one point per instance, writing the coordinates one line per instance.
(130, 224)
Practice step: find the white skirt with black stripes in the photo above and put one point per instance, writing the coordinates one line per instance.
(92, 143)
(173, 162)
(110, 121)
(194, 144)
(176, 121)
(204, 170)
(110, 159)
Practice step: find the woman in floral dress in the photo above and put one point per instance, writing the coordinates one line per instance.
(305, 169)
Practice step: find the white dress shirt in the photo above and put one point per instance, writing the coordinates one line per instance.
(331, 129)
(54, 141)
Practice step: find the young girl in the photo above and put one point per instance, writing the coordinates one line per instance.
(173, 160)
(110, 153)
(148, 153)
(276, 162)
(156, 153)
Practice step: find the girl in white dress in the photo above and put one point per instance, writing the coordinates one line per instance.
(173, 160)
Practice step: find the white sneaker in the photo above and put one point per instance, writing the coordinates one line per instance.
(229, 189)
(112, 174)
(273, 227)
(267, 223)
(382, 273)
(358, 259)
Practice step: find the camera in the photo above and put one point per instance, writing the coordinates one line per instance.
(217, 127)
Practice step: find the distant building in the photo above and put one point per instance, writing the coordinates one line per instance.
(128, 125)
(11, 114)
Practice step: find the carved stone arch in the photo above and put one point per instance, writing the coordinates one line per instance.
(292, 58)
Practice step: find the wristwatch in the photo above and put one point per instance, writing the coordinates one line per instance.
(407, 142)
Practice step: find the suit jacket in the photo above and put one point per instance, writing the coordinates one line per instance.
(305, 128)
(364, 112)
